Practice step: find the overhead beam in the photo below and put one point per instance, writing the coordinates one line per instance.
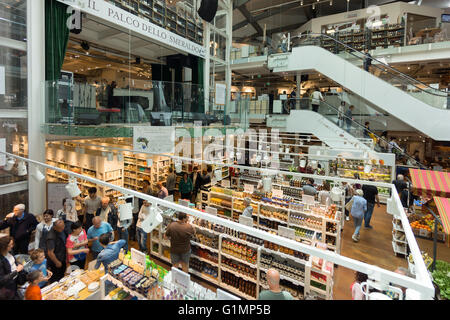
(248, 16)
(239, 3)
(267, 14)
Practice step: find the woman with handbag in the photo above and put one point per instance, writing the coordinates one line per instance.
(11, 274)
(358, 209)
(348, 196)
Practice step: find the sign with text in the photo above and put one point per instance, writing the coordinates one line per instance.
(154, 139)
(286, 232)
(247, 221)
(248, 188)
(307, 199)
(277, 193)
(138, 257)
(180, 278)
(220, 94)
(121, 18)
(225, 183)
(211, 210)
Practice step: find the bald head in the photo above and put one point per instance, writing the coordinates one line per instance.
(400, 177)
(105, 202)
(96, 222)
(273, 279)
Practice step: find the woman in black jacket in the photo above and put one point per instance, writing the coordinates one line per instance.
(11, 274)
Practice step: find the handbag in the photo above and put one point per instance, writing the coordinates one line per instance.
(349, 205)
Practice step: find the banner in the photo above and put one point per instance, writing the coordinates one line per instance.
(154, 139)
(122, 18)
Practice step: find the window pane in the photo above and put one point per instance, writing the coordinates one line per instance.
(13, 19)
(14, 68)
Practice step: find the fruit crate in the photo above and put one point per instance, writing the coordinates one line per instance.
(440, 236)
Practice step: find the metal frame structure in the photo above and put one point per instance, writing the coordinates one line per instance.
(421, 284)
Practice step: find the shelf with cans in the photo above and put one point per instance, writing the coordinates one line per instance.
(312, 222)
(233, 260)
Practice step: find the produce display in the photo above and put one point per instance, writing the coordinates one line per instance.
(441, 276)
(346, 169)
(424, 222)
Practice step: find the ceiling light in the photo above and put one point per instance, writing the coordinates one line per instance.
(21, 169)
(313, 6)
(72, 188)
(38, 174)
(9, 164)
(331, 2)
(301, 2)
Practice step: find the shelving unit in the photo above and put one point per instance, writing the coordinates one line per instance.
(177, 20)
(399, 244)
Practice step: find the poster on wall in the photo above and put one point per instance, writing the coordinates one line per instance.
(56, 192)
(220, 94)
(2, 80)
(154, 139)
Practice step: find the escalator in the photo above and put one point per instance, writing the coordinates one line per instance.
(385, 88)
(334, 128)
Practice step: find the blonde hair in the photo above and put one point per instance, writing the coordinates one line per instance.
(359, 192)
(35, 254)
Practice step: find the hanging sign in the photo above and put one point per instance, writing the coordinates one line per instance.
(180, 278)
(286, 232)
(137, 257)
(247, 221)
(308, 199)
(121, 18)
(211, 210)
(221, 90)
(248, 188)
(225, 183)
(154, 139)
(277, 193)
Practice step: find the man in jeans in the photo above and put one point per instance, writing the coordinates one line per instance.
(110, 251)
(370, 194)
(180, 233)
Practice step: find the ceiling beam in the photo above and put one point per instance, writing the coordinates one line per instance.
(239, 3)
(267, 14)
(271, 31)
(248, 16)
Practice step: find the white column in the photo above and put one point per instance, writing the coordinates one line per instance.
(229, 43)
(207, 66)
(36, 78)
(299, 82)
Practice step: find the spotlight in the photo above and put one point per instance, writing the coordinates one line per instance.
(22, 169)
(9, 164)
(125, 208)
(38, 176)
(72, 188)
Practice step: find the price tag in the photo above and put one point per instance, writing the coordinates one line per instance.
(286, 232)
(137, 257)
(247, 221)
(277, 193)
(226, 183)
(211, 210)
(248, 188)
(180, 278)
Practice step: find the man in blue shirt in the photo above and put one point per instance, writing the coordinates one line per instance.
(359, 208)
(110, 252)
(98, 228)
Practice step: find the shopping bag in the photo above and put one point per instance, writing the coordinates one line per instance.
(153, 220)
(349, 205)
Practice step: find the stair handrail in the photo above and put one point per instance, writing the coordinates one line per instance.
(444, 93)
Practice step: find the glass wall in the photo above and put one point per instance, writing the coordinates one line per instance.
(13, 19)
(13, 69)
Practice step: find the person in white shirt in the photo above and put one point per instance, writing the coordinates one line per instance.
(316, 97)
(141, 234)
(248, 211)
(42, 229)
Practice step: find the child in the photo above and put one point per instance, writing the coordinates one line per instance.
(33, 291)
(40, 264)
(357, 293)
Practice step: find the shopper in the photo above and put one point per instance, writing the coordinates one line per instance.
(43, 228)
(358, 209)
(393, 147)
(357, 186)
(204, 180)
(56, 251)
(349, 117)
(108, 213)
(341, 111)
(400, 184)
(316, 97)
(367, 60)
(141, 234)
(180, 233)
(308, 188)
(40, 263)
(370, 193)
(98, 228)
(122, 230)
(171, 182)
(21, 224)
(91, 205)
(357, 293)
(274, 292)
(248, 211)
(324, 196)
(348, 195)
(194, 178)
(162, 191)
(133, 229)
(185, 187)
(383, 143)
(76, 245)
(271, 98)
(33, 291)
(11, 274)
(293, 98)
(68, 214)
(110, 251)
(366, 131)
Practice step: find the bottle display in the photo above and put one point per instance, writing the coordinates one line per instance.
(246, 287)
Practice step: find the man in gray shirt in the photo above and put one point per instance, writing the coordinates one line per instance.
(309, 188)
(274, 292)
(171, 181)
(91, 204)
(248, 211)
